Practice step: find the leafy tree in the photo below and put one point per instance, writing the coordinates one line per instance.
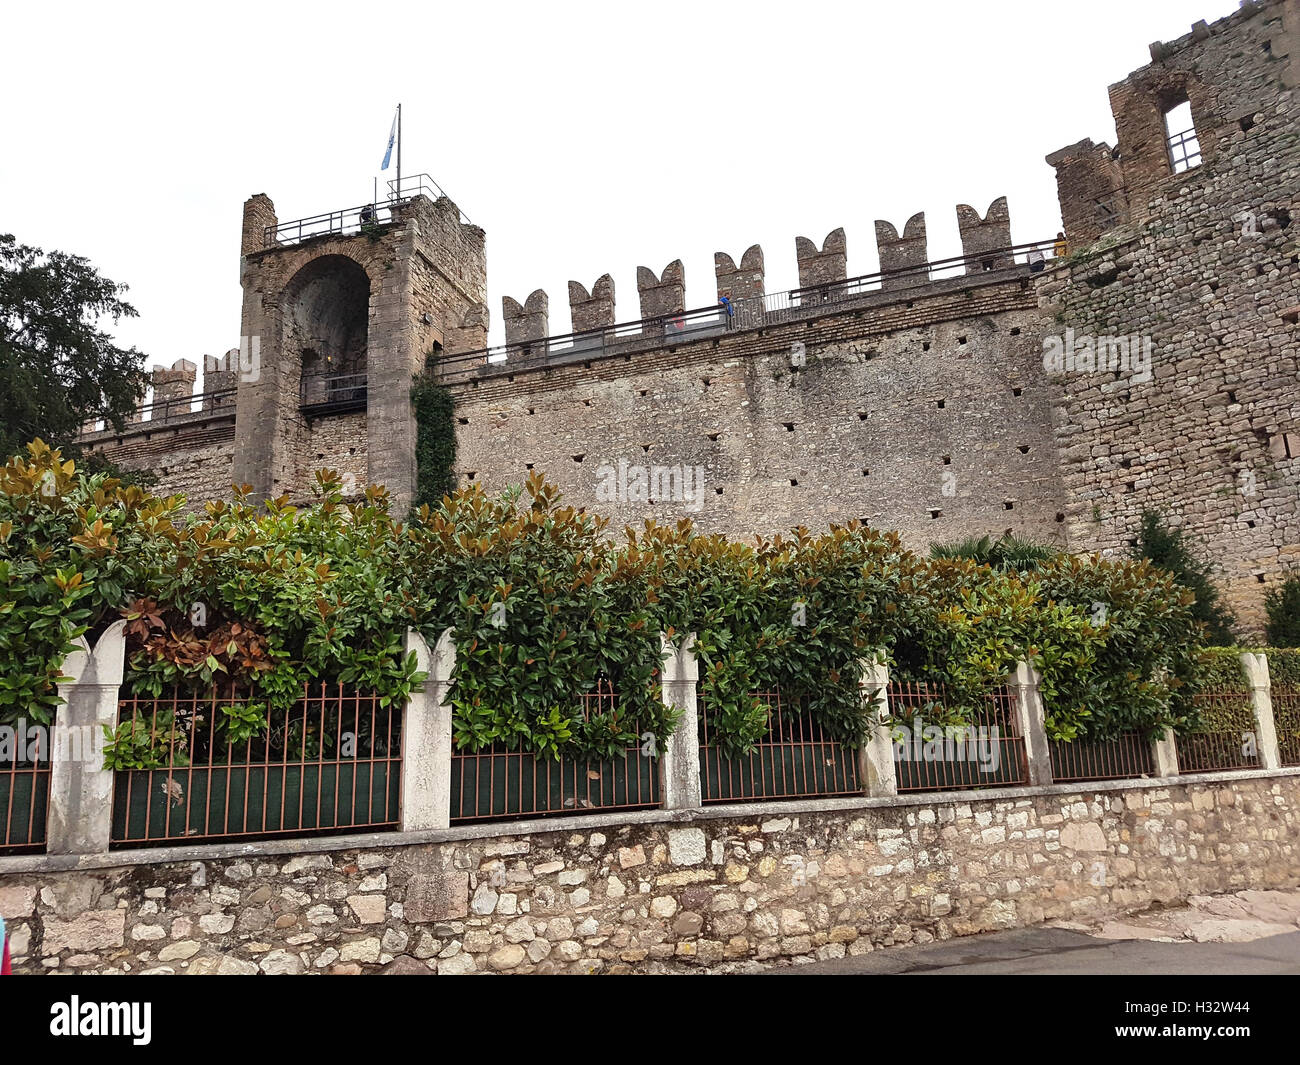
(58, 368)
(1168, 549)
(1283, 608)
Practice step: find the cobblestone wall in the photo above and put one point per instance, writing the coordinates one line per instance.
(650, 895)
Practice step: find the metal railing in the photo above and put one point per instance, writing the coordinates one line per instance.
(332, 391)
(352, 220)
(1184, 150)
(716, 320)
(1226, 741)
(1128, 755)
(985, 751)
(165, 410)
(176, 408)
(795, 758)
(345, 222)
(495, 783)
(414, 185)
(222, 766)
(25, 792)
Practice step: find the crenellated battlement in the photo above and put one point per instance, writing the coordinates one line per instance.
(663, 293)
(822, 269)
(594, 309)
(824, 265)
(743, 301)
(903, 259)
(175, 398)
(984, 240)
(741, 282)
(526, 321)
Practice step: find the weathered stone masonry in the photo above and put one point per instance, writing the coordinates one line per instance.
(929, 415)
(1207, 264)
(650, 892)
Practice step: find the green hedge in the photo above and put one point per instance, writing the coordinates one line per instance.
(547, 606)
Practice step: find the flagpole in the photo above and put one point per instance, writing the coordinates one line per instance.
(399, 152)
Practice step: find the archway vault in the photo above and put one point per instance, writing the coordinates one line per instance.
(325, 314)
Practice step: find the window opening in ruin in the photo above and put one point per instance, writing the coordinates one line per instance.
(1107, 218)
(1180, 131)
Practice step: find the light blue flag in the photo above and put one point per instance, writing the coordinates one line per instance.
(392, 136)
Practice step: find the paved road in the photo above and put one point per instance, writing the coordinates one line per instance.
(1056, 951)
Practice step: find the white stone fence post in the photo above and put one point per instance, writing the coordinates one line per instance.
(1164, 754)
(679, 765)
(1255, 669)
(79, 817)
(426, 737)
(876, 770)
(1031, 716)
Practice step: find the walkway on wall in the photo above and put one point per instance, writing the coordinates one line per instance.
(720, 319)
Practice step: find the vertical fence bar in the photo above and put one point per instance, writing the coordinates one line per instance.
(426, 737)
(1255, 667)
(80, 819)
(680, 765)
(1030, 713)
(876, 769)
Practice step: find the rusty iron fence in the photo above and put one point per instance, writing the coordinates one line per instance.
(1227, 738)
(986, 750)
(795, 758)
(496, 783)
(25, 791)
(1126, 756)
(222, 766)
(1286, 720)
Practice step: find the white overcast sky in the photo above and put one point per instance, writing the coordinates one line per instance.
(584, 138)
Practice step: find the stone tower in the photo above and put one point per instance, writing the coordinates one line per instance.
(339, 313)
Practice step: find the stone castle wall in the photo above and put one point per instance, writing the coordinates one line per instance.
(922, 406)
(928, 414)
(645, 892)
(193, 457)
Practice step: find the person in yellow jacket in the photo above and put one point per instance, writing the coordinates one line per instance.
(1060, 248)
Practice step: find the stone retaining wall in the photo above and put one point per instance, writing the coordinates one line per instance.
(716, 889)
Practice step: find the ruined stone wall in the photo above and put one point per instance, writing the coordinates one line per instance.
(643, 893)
(926, 412)
(1209, 271)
